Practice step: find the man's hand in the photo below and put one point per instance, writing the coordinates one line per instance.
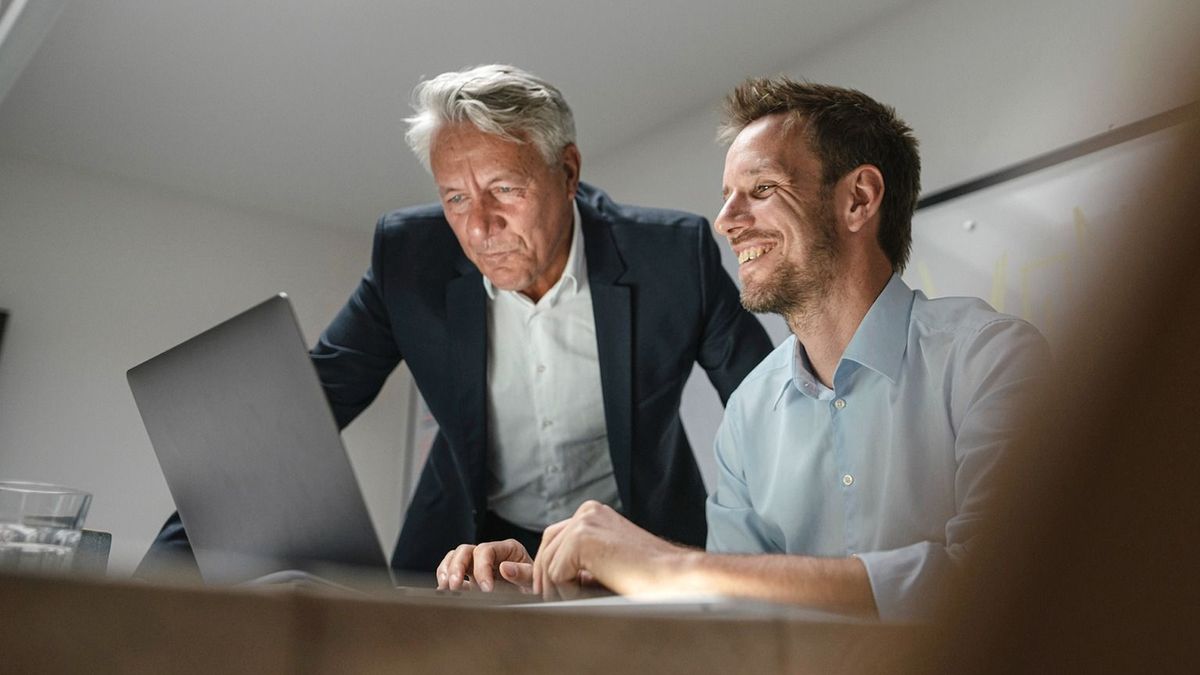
(599, 544)
(480, 563)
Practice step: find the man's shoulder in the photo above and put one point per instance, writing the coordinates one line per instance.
(420, 231)
(416, 240)
(972, 339)
(413, 217)
(636, 219)
(962, 316)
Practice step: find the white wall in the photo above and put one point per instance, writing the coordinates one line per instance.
(984, 84)
(100, 274)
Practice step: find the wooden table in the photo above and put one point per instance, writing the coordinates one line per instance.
(79, 625)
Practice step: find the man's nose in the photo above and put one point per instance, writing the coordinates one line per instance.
(733, 216)
(483, 220)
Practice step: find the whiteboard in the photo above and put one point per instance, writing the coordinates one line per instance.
(1029, 246)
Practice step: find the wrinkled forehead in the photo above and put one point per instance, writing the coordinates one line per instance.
(774, 143)
(458, 142)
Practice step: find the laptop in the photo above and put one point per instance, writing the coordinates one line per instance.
(252, 455)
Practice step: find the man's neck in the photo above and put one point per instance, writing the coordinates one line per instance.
(826, 330)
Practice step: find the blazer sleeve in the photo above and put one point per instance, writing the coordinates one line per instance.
(732, 341)
(357, 352)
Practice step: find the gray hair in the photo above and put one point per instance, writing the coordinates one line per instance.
(501, 100)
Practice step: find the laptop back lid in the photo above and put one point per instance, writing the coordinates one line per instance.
(251, 452)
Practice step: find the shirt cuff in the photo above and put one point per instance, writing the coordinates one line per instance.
(907, 582)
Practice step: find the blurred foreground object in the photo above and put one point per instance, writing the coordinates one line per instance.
(1093, 559)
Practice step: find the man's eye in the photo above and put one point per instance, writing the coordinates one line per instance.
(455, 199)
(762, 188)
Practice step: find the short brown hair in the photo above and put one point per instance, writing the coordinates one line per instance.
(846, 129)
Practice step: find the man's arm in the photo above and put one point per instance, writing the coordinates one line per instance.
(732, 341)
(993, 374)
(616, 553)
(357, 352)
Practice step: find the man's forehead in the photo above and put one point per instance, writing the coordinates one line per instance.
(754, 164)
(769, 145)
(759, 155)
(454, 146)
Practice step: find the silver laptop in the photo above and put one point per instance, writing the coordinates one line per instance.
(252, 454)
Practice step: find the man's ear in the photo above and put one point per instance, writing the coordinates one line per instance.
(863, 190)
(571, 161)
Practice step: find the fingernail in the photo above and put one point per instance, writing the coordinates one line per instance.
(486, 586)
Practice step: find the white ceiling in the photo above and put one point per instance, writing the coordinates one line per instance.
(296, 106)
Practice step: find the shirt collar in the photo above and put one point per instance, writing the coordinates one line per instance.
(801, 375)
(882, 337)
(574, 276)
(878, 343)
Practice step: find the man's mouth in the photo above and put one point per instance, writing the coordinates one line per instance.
(748, 254)
(496, 253)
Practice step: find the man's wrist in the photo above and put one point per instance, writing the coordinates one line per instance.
(683, 570)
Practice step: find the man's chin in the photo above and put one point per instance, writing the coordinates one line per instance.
(507, 281)
(760, 300)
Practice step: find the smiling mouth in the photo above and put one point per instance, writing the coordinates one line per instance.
(752, 253)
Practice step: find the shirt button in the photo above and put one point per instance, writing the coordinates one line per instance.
(839, 404)
(546, 424)
(847, 480)
(541, 368)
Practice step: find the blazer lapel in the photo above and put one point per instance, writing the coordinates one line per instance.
(614, 342)
(466, 314)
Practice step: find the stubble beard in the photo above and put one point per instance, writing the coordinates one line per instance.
(791, 291)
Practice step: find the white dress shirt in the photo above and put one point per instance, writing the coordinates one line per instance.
(547, 439)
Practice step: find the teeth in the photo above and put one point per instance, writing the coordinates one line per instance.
(752, 253)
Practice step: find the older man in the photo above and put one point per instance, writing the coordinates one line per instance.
(549, 329)
(854, 461)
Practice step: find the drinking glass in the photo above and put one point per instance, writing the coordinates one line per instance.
(40, 526)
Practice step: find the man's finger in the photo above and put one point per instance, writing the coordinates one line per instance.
(562, 571)
(460, 564)
(548, 558)
(545, 552)
(489, 556)
(443, 573)
(485, 562)
(518, 574)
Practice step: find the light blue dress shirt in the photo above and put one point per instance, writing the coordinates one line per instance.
(891, 464)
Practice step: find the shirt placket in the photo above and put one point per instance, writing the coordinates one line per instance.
(548, 462)
(841, 410)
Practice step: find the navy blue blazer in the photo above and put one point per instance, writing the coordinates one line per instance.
(661, 301)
